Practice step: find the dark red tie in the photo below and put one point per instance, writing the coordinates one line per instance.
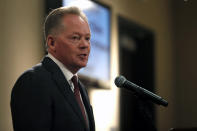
(78, 98)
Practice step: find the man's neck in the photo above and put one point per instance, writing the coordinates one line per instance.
(68, 74)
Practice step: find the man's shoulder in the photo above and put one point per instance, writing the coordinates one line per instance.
(37, 72)
(34, 78)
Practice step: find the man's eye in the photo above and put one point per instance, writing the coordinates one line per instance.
(87, 38)
(75, 37)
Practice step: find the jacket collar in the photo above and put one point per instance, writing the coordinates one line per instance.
(63, 85)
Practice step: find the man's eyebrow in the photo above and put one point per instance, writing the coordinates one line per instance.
(78, 33)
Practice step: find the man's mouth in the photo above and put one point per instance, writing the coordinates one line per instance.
(83, 56)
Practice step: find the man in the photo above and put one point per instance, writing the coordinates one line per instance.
(44, 97)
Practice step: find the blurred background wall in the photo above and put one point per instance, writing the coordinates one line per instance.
(175, 29)
(185, 32)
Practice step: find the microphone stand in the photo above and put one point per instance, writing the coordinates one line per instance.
(145, 113)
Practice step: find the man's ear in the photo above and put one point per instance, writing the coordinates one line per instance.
(51, 42)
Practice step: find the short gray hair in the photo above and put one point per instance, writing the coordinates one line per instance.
(53, 20)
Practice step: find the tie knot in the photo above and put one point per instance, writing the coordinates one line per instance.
(75, 83)
(74, 79)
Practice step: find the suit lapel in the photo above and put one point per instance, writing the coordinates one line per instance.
(62, 85)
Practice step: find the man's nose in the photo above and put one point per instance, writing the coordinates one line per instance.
(84, 43)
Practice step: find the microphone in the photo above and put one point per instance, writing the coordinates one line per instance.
(122, 82)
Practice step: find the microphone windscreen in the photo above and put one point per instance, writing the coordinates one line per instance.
(119, 81)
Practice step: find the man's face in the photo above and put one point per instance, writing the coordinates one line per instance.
(72, 44)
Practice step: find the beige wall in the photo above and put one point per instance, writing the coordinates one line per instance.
(21, 47)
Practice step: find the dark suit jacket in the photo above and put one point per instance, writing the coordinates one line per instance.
(42, 100)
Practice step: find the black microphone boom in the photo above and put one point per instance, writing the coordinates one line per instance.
(122, 82)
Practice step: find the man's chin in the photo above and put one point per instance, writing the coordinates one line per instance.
(82, 65)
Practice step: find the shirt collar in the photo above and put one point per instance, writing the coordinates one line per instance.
(68, 74)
